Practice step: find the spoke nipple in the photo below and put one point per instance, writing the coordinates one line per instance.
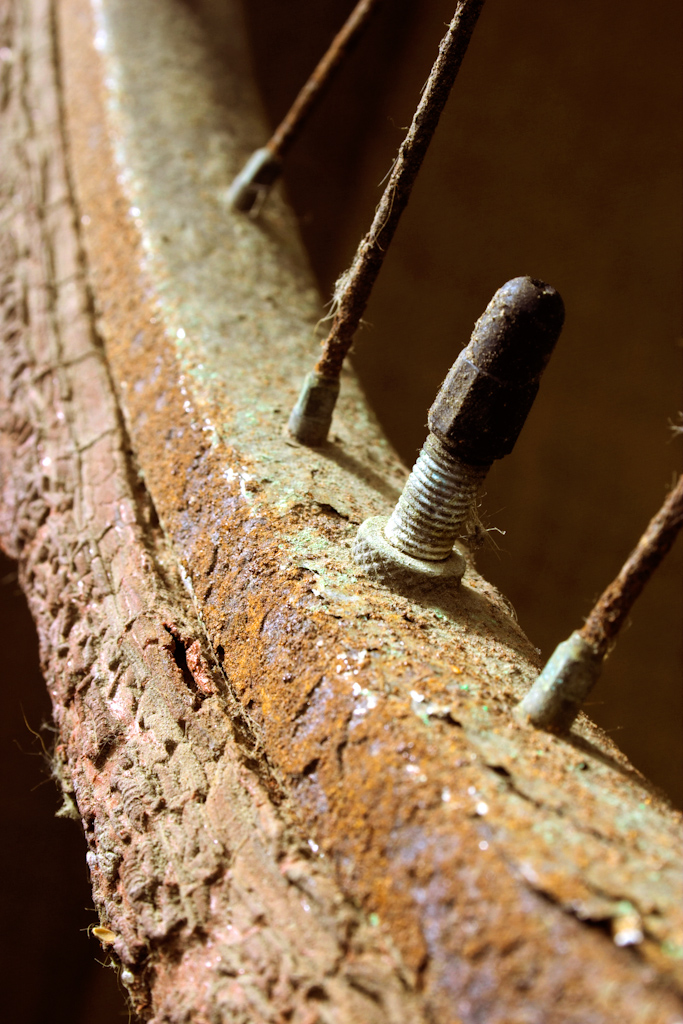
(555, 699)
(253, 183)
(476, 418)
(312, 415)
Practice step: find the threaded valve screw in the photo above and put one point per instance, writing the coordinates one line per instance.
(436, 501)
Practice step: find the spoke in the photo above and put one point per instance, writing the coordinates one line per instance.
(608, 615)
(556, 697)
(311, 418)
(262, 169)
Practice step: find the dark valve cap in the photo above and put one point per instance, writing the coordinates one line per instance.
(486, 397)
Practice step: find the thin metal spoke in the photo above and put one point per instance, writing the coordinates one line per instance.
(264, 166)
(312, 415)
(555, 699)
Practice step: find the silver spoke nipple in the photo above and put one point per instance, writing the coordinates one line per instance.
(476, 418)
(254, 181)
(555, 699)
(311, 416)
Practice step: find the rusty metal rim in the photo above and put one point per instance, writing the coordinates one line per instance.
(263, 529)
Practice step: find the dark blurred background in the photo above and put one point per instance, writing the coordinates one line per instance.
(558, 156)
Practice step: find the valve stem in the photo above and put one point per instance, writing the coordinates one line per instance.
(476, 418)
